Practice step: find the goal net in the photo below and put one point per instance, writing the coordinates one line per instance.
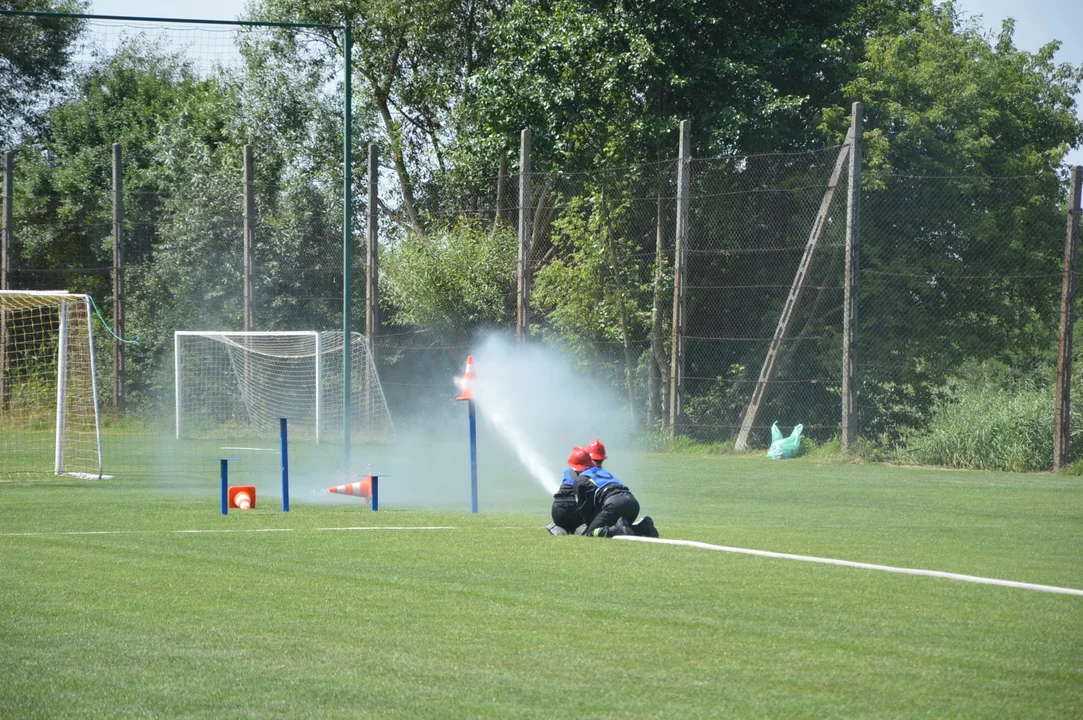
(239, 384)
(49, 420)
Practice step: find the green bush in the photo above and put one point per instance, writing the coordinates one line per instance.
(990, 428)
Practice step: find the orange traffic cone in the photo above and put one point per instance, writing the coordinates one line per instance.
(467, 382)
(242, 497)
(361, 488)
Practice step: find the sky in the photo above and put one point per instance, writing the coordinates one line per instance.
(1035, 24)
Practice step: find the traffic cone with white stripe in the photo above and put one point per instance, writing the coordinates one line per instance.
(362, 488)
(242, 497)
(466, 383)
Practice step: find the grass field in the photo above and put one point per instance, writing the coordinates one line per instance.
(494, 618)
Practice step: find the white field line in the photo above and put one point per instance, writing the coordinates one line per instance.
(252, 449)
(389, 527)
(865, 566)
(253, 530)
(235, 531)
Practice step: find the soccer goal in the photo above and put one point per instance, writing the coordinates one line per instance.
(238, 384)
(49, 417)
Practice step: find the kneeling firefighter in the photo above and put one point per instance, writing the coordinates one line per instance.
(565, 512)
(610, 505)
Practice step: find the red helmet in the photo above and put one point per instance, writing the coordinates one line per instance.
(596, 450)
(579, 460)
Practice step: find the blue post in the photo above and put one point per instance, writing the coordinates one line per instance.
(375, 493)
(225, 486)
(285, 466)
(473, 458)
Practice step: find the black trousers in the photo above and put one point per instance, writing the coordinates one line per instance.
(617, 504)
(566, 516)
(564, 512)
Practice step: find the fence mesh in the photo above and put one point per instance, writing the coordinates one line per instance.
(956, 275)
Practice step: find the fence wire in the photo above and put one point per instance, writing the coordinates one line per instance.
(955, 274)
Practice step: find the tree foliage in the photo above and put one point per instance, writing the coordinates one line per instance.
(35, 52)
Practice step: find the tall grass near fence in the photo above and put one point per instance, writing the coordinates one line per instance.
(989, 418)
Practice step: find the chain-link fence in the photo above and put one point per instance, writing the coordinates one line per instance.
(958, 280)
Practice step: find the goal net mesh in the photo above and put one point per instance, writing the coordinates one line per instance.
(48, 396)
(234, 385)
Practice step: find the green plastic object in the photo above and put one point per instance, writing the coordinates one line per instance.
(784, 447)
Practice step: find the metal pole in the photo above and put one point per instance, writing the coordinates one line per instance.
(374, 488)
(849, 303)
(680, 273)
(177, 381)
(319, 384)
(473, 458)
(118, 278)
(93, 380)
(285, 465)
(61, 387)
(224, 477)
(347, 245)
(249, 239)
(522, 319)
(1061, 424)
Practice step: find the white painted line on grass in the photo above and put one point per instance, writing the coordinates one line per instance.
(865, 566)
(389, 527)
(235, 531)
(223, 530)
(251, 449)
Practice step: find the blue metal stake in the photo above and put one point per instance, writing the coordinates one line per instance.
(225, 486)
(375, 493)
(473, 458)
(285, 466)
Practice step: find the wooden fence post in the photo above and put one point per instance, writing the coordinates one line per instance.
(7, 259)
(1063, 404)
(680, 273)
(849, 302)
(118, 278)
(522, 319)
(249, 239)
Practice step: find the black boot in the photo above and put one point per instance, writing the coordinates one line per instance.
(645, 527)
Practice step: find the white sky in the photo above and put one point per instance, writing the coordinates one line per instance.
(1036, 23)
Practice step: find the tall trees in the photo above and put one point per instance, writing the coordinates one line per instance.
(963, 225)
(412, 61)
(34, 55)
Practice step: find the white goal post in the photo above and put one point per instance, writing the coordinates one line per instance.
(238, 384)
(49, 416)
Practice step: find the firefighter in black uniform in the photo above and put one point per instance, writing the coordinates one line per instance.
(565, 514)
(608, 502)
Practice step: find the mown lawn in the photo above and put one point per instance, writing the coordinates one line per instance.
(285, 615)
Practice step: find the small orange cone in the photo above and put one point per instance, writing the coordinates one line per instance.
(242, 497)
(361, 488)
(467, 381)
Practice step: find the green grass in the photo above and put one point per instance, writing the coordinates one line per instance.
(497, 619)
